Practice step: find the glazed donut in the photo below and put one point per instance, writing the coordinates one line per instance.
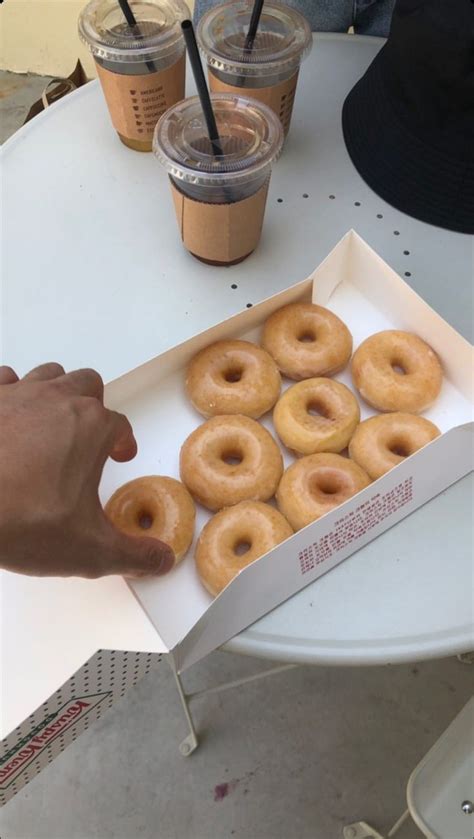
(230, 459)
(317, 415)
(233, 377)
(307, 340)
(397, 371)
(234, 538)
(316, 484)
(379, 443)
(155, 506)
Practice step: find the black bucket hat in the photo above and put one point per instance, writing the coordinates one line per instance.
(409, 121)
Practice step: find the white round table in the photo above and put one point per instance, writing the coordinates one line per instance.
(94, 275)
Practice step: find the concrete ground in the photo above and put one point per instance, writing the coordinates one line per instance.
(295, 756)
(18, 92)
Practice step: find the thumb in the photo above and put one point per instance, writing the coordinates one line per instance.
(138, 556)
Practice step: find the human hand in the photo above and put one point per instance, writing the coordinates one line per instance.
(55, 437)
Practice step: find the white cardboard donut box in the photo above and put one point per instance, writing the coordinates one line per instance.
(71, 647)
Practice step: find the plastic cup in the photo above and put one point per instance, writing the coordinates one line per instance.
(219, 199)
(269, 71)
(141, 68)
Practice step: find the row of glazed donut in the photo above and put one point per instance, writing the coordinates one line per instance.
(232, 465)
(233, 458)
(232, 462)
(392, 370)
(162, 508)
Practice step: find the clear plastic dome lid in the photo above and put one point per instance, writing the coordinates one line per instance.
(103, 27)
(283, 38)
(250, 133)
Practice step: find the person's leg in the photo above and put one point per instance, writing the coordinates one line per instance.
(373, 17)
(322, 15)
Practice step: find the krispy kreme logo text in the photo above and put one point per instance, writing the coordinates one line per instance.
(15, 761)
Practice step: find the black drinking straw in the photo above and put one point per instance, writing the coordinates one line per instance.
(132, 22)
(127, 13)
(200, 79)
(253, 25)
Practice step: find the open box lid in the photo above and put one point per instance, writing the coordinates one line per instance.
(50, 627)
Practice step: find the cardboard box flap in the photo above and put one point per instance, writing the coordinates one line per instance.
(297, 562)
(391, 296)
(67, 713)
(57, 625)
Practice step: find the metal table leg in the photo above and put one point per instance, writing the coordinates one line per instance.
(361, 830)
(466, 658)
(191, 742)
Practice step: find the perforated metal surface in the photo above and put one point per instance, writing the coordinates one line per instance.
(94, 275)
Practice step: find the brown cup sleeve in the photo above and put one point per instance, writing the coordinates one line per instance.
(279, 97)
(137, 102)
(220, 232)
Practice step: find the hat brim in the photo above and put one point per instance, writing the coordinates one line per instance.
(416, 178)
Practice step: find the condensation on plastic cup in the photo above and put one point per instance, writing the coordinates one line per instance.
(141, 68)
(251, 138)
(269, 71)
